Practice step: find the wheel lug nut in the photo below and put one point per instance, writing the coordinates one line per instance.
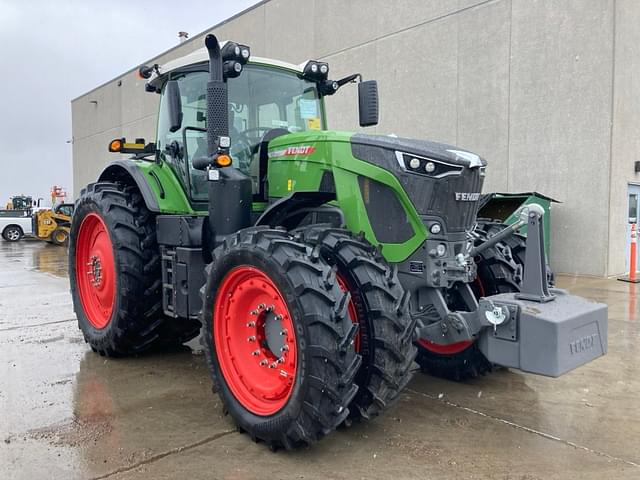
(279, 318)
(273, 365)
(263, 363)
(262, 306)
(251, 324)
(254, 312)
(252, 338)
(285, 348)
(283, 332)
(281, 360)
(255, 353)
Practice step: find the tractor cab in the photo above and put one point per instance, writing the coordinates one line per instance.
(267, 97)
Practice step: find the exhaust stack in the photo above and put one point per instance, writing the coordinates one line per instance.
(230, 193)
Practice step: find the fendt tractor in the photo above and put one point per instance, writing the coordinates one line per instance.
(315, 264)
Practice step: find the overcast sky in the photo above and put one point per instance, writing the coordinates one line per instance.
(54, 51)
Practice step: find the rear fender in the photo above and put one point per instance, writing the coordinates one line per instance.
(160, 188)
(127, 172)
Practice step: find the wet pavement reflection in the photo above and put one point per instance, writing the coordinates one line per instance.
(66, 412)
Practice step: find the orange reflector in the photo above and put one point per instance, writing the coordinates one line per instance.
(223, 160)
(115, 145)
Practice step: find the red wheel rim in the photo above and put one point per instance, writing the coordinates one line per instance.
(95, 271)
(450, 349)
(255, 340)
(352, 310)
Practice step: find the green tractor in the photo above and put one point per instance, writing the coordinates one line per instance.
(317, 265)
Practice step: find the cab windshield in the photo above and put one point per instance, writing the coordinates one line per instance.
(261, 99)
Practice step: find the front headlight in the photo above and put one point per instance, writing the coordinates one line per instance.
(427, 166)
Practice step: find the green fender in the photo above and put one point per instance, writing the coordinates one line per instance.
(158, 185)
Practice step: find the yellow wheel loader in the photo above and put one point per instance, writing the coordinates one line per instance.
(53, 225)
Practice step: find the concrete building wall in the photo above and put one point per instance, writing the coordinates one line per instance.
(625, 131)
(543, 89)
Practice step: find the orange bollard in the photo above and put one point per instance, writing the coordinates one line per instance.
(632, 253)
(632, 257)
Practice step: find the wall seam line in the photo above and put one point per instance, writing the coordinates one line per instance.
(509, 91)
(612, 111)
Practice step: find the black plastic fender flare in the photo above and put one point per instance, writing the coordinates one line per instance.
(126, 169)
(284, 209)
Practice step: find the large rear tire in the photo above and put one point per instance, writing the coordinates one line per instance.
(277, 338)
(380, 306)
(114, 271)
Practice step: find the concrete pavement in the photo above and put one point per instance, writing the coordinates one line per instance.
(66, 412)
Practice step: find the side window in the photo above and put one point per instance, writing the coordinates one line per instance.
(181, 147)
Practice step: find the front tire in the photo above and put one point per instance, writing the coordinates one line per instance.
(380, 306)
(60, 237)
(114, 272)
(277, 338)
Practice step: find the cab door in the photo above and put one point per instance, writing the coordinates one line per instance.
(180, 147)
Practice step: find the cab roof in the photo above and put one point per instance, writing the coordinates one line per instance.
(201, 55)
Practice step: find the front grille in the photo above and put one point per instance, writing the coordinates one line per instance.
(437, 197)
(431, 197)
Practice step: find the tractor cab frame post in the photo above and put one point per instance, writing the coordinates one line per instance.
(229, 190)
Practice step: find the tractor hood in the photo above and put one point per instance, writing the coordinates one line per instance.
(447, 190)
(423, 148)
(441, 152)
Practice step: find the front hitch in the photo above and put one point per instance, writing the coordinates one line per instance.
(538, 330)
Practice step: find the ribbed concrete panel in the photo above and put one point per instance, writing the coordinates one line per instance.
(560, 114)
(343, 106)
(625, 148)
(419, 93)
(291, 26)
(483, 87)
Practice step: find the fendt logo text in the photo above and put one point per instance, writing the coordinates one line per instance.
(467, 197)
(582, 344)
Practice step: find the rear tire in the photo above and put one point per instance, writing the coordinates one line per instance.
(12, 233)
(320, 358)
(114, 272)
(513, 249)
(380, 306)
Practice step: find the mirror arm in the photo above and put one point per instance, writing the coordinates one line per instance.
(349, 79)
(329, 87)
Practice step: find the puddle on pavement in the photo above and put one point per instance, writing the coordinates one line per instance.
(37, 255)
(50, 259)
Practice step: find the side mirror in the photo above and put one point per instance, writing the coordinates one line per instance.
(368, 103)
(174, 104)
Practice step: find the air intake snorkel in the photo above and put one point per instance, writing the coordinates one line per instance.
(229, 189)
(217, 102)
